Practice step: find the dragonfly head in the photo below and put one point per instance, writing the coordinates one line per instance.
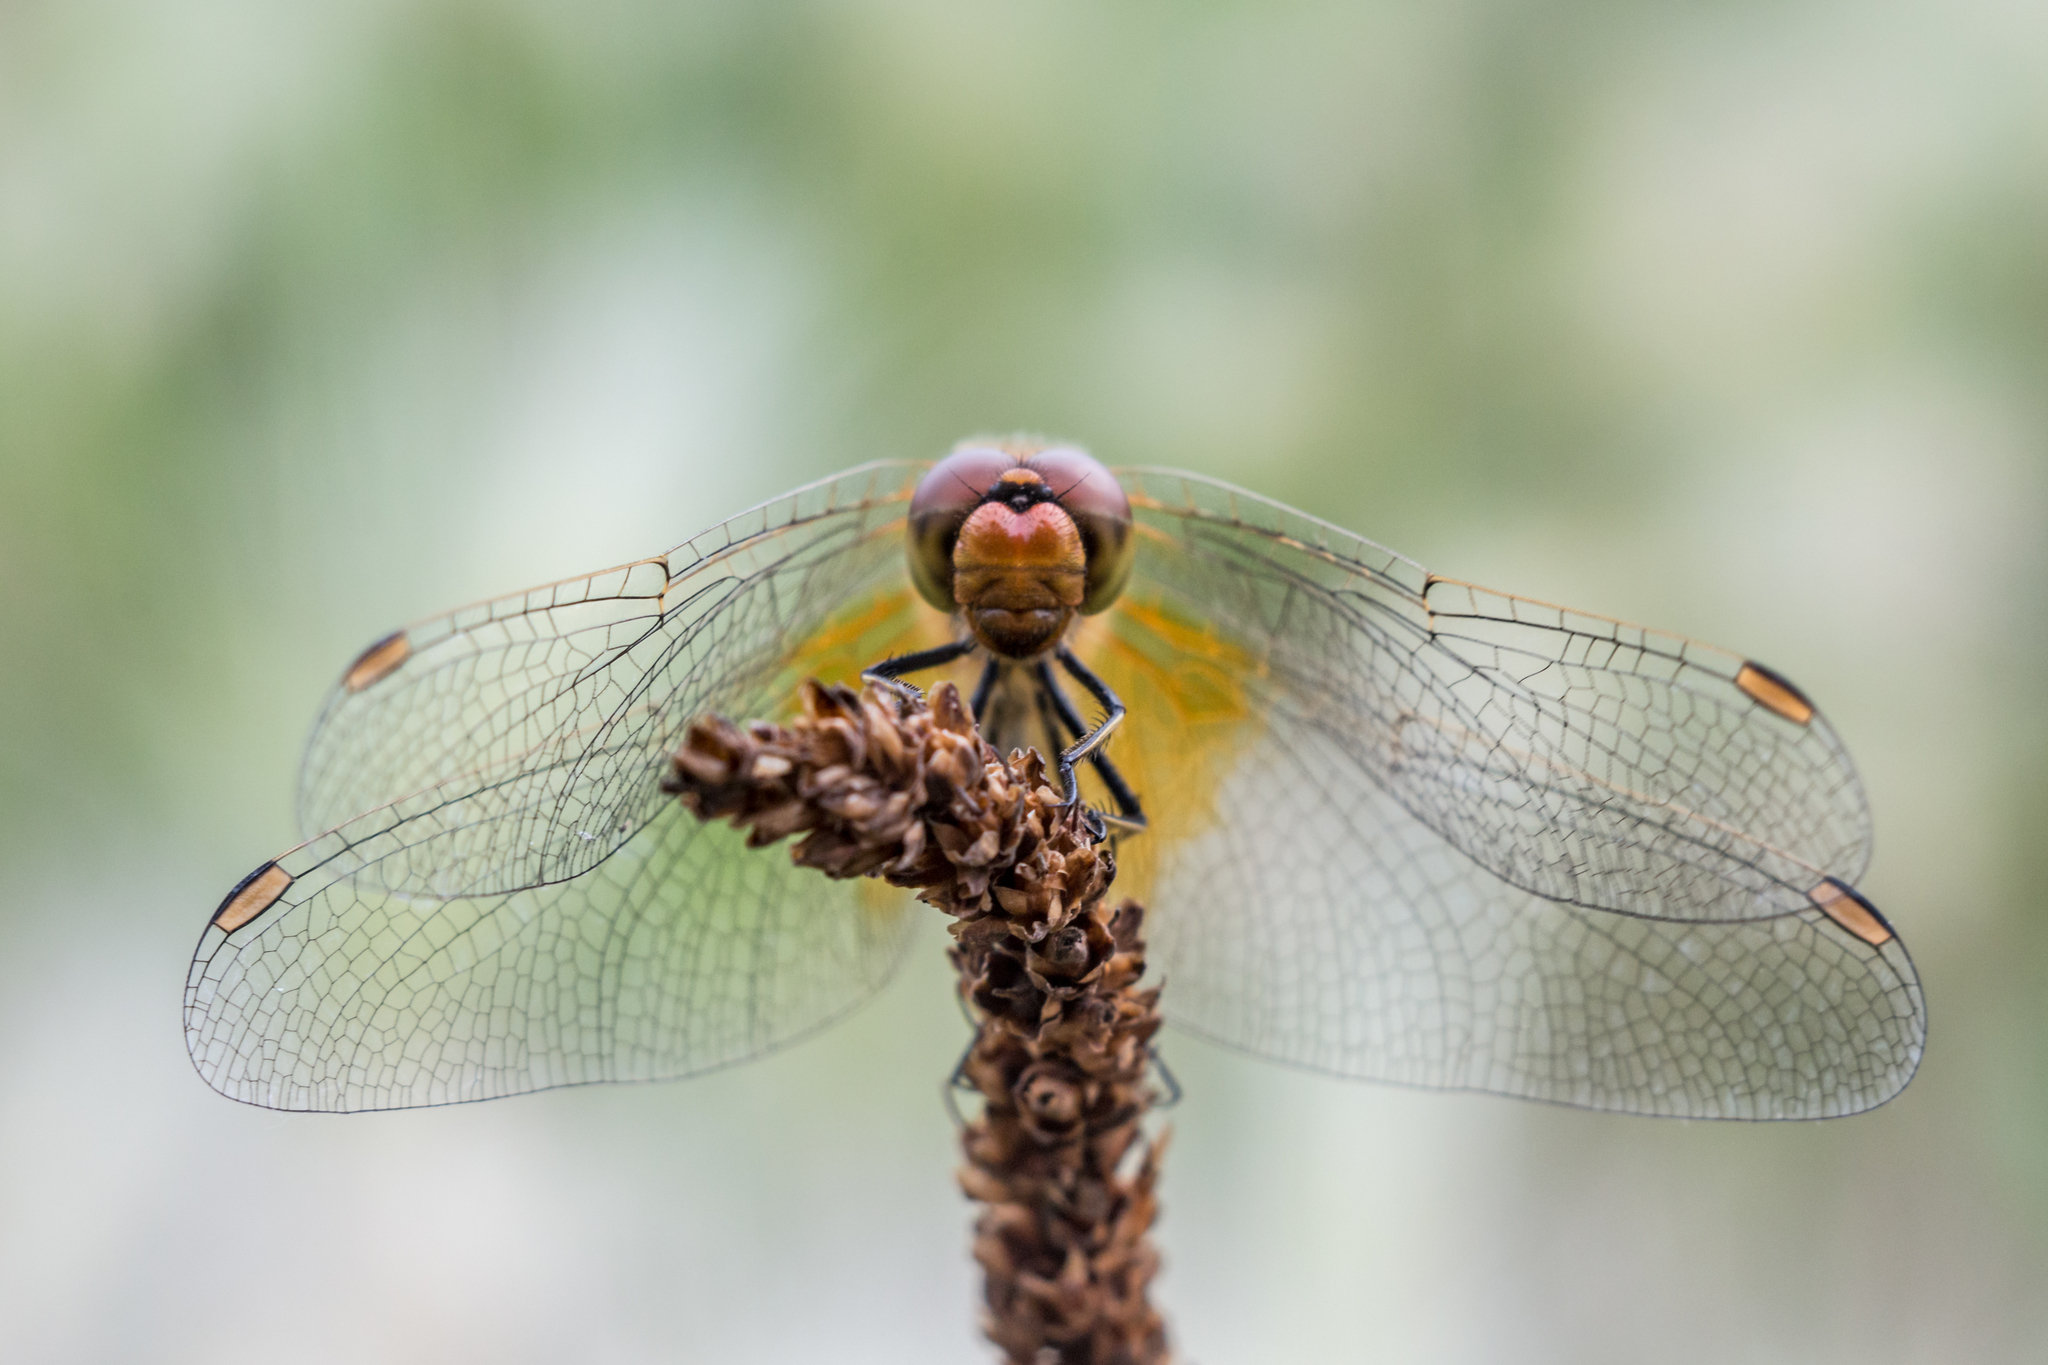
(1019, 536)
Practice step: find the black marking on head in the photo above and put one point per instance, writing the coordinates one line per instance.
(1019, 495)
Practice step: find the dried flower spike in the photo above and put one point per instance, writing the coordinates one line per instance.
(913, 794)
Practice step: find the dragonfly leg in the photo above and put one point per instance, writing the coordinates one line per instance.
(889, 672)
(1057, 715)
(984, 689)
(958, 1081)
(1054, 715)
(1130, 815)
(1173, 1090)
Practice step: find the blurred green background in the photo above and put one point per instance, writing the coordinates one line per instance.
(316, 318)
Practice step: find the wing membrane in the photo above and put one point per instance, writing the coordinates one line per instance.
(683, 951)
(1352, 785)
(524, 678)
(533, 911)
(1584, 760)
(1598, 750)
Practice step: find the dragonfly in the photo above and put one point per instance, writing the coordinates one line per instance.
(1389, 825)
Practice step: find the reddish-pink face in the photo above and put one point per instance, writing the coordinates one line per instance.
(1019, 538)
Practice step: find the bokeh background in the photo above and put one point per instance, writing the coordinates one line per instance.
(316, 318)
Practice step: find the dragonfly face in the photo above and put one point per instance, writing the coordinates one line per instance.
(1019, 538)
(1401, 827)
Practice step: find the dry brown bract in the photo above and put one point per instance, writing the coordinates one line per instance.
(912, 793)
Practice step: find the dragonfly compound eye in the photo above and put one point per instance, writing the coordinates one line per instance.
(955, 486)
(1095, 500)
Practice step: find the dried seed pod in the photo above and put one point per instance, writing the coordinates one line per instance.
(1051, 1097)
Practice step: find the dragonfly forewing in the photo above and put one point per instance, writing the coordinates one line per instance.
(515, 679)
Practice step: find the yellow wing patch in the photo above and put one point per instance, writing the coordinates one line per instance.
(891, 621)
(888, 622)
(1192, 698)
(1192, 695)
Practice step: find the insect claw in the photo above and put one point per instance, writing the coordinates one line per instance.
(1091, 818)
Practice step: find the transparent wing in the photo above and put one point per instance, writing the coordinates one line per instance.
(533, 911)
(682, 951)
(1585, 760)
(1606, 765)
(1500, 847)
(520, 679)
